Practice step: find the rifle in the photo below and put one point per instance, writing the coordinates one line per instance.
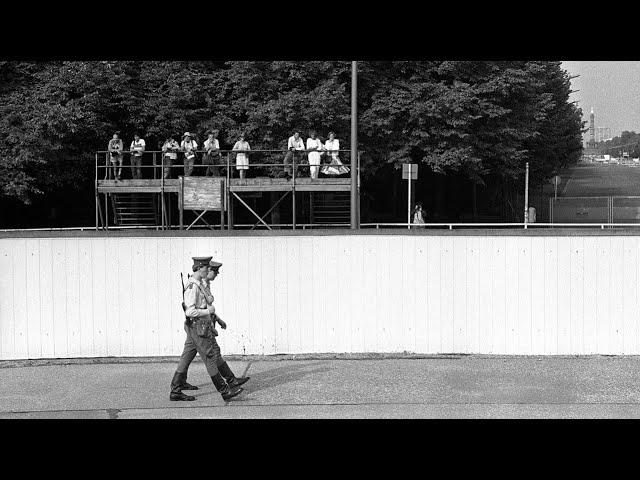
(184, 306)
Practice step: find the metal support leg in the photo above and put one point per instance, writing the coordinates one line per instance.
(271, 209)
(251, 210)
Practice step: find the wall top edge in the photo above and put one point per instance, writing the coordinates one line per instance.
(461, 232)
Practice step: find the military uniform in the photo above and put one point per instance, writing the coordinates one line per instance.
(200, 340)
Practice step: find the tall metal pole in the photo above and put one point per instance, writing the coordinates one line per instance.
(355, 223)
(526, 196)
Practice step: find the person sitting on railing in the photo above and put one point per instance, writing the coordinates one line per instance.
(169, 154)
(115, 149)
(136, 149)
(242, 158)
(189, 147)
(295, 143)
(314, 144)
(335, 167)
(212, 155)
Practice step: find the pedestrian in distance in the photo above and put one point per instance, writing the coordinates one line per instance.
(314, 144)
(115, 149)
(242, 157)
(419, 216)
(137, 148)
(170, 150)
(189, 147)
(198, 326)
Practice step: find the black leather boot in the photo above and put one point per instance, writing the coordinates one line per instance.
(228, 375)
(225, 390)
(176, 391)
(184, 385)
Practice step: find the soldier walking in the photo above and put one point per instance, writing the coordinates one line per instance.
(200, 338)
(221, 363)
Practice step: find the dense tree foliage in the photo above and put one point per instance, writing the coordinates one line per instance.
(476, 120)
(627, 142)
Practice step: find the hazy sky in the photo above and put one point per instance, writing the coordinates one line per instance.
(612, 89)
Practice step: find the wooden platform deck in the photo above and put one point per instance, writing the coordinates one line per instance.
(260, 184)
(138, 186)
(302, 184)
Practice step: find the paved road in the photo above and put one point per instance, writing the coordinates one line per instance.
(453, 387)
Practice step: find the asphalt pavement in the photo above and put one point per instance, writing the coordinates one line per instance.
(443, 387)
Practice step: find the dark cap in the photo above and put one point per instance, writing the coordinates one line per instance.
(201, 261)
(214, 264)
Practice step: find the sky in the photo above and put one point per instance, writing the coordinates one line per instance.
(612, 89)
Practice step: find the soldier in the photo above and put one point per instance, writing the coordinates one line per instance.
(198, 326)
(232, 380)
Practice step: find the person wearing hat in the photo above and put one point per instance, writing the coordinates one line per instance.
(189, 147)
(169, 154)
(115, 149)
(212, 155)
(242, 158)
(221, 363)
(136, 149)
(198, 326)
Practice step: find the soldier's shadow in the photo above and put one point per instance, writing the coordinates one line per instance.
(274, 377)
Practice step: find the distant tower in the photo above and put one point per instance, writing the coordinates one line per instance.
(592, 130)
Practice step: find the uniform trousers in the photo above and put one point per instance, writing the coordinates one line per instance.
(206, 347)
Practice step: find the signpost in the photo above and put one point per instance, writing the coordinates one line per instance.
(409, 172)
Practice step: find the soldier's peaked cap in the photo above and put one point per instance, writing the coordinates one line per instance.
(201, 261)
(215, 264)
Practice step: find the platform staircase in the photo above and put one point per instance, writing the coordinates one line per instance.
(135, 209)
(330, 207)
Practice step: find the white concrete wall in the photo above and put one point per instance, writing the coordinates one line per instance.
(120, 296)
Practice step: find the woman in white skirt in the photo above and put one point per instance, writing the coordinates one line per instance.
(242, 159)
(332, 145)
(315, 145)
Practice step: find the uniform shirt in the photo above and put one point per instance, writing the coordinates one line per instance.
(171, 145)
(115, 144)
(295, 144)
(189, 146)
(137, 147)
(211, 144)
(195, 299)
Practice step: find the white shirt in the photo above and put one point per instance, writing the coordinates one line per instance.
(189, 146)
(314, 143)
(172, 144)
(211, 144)
(295, 144)
(332, 145)
(137, 147)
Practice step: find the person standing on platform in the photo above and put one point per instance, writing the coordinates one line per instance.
(221, 363)
(189, 147)
(198, 325)
(137, 148)
(335, 167)
(294, 144)
(169, 154)
(315, 145)
(115, 149)
(212, 154)
(242, 158)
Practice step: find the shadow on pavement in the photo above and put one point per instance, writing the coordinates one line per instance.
(281, 375)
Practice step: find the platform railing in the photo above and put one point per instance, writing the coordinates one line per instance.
(224, 159)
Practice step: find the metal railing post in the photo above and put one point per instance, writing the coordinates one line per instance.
(293, 192)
